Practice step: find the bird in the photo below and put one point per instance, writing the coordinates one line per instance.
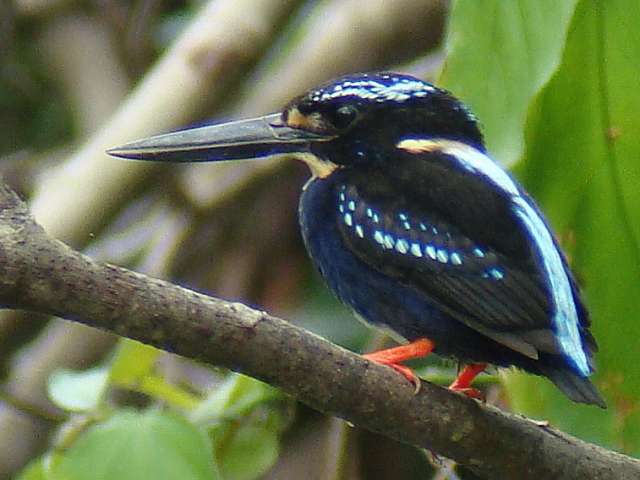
(416, 228)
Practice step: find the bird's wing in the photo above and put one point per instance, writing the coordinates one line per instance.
(459, 242)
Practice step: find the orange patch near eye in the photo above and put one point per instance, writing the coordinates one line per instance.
(295, 119)
(312, 122)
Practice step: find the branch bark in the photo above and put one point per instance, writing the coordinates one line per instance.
(42, 274)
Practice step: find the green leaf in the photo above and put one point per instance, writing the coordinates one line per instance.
(78, 391)
(132, 368)
(250, 452)
(582, 164)
(133, 445)
(235, 397)
(246, 437)
(569, 69)
(157, 387)
(34, 471)
(500, 54)
(133, 361)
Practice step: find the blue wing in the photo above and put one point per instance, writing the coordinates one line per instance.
(494, 267)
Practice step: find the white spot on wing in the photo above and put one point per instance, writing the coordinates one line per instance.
(456, 259)
(402, 246)
(430, 251)
(388, 241)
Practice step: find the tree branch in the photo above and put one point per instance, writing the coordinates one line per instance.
(42, 274)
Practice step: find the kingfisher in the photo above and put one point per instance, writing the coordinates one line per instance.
(414, 226)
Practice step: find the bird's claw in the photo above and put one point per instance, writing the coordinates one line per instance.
(407, 373)
(392, 357)
(468, 392)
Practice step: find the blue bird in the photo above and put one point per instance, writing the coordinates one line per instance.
(416, 228)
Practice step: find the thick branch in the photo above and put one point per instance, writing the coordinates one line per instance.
(42, 274)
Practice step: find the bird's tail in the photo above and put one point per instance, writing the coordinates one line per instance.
(577, 388)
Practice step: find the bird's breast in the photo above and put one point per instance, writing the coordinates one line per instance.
(378, 298)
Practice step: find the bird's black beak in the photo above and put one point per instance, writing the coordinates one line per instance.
(245, 139)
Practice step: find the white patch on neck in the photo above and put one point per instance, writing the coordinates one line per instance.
(471, 159)
(319, 168)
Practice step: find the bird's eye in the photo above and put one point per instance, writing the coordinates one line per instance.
(344, 116)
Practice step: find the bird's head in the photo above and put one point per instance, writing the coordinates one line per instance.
(368, 114)
(353, 121)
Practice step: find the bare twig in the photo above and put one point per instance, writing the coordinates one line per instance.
(44, 275)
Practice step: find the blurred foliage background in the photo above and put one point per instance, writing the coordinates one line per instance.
(554, 83)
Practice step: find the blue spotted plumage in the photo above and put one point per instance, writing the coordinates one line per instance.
(414, 226)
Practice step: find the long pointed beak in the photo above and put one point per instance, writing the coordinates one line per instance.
(245, 139)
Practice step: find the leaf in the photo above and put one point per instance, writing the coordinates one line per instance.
(133, 368)
(34, 471)
(580, 161)
(78, 391)
(133, 361)
(582, 164)
(246, 438)
(132, 445)
(235, 397)
(500, 54)
(159, 388)
(251, 452)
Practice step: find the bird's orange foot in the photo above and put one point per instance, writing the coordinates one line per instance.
(462, 384)
(392, 357)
